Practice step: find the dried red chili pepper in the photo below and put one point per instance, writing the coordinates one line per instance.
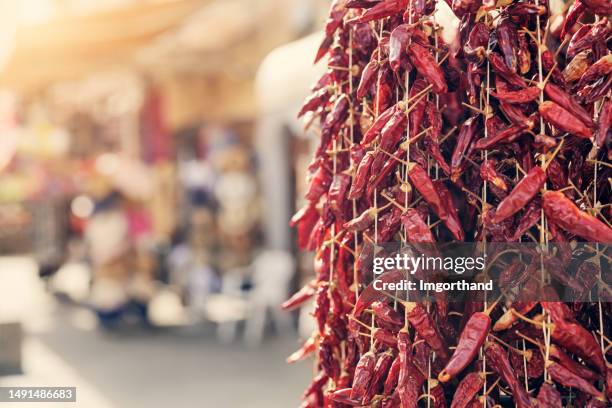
(571, 18)
(507, 37)
(317, 383)
(567, 378)
(397, 46)
(319, 184)
(419, 106)
(417, 231)
(502, 69)
(392, 376)
(515, 114)
(410, 379)
(321, 305)
(462, 7)
(433, 148)
(468, 388)
(549, 397)
(384, 337)
(488, 173)
(361, 177)
(476, 44)
(596, 90)
(575, 68)
(605, 124)
(601, 7)
(472, 337)
(381, 10)
(378, 124)
(337, 193)
(387, 314)
(383, 364)
(305, 220)
(368, 78)
(562, 358)
(461, 151)
(363, 221)
(587, 35)
(389, 224)
(392, 132)
(436, 393)
(303, 352)
(363, 376)
(343, 396)
(578, 340)
(327, 360)
(300, 297)
(522, 193)
(596, 71)
(384, 90)
(434, 118)
(560, 97)
(530, 217)
(333, 122)
(427, 66)
(562, 211)
(426, 328)
(526, 9)
(497, 359)
(337, 11)
(523, 96)
(425, 186)
(564, 120)
(315, 101)
(508, 275)
(528, 360)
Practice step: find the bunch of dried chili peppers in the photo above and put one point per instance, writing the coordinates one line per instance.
(500, 135)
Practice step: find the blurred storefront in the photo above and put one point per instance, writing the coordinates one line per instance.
(149, 154)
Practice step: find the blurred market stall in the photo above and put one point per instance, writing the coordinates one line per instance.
(134, 158)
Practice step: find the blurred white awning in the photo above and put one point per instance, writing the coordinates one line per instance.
(203, 54)
(70, 46)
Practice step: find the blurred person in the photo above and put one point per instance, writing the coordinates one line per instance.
(191, 260)
(106, 235)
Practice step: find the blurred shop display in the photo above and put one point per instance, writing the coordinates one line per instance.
(149, 158)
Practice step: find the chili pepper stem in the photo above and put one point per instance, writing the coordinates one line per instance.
(492, 387)
(404, 162)
(599, 162)
(418, 95)
(465, 190)
(475, 109)
(359, 322)
(554, 154)
(394, 202)
(408, 142)
(435, 224)
(492, 306)
(500, 341)
(447, 135)
(525, 318)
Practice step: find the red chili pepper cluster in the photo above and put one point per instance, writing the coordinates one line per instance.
(501, 135)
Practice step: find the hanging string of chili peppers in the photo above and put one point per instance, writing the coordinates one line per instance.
(516, 85)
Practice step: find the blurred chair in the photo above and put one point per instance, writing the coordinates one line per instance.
(271, 274)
